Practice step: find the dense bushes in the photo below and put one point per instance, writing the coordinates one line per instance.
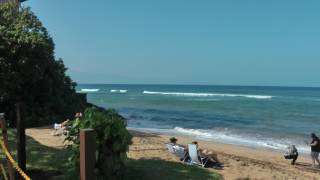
(112, 142)
(29, 71)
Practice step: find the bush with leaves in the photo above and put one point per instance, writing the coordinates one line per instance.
(112, 142)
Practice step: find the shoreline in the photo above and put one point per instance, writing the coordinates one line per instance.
(238, 161)
(302, 151)
(187, 139)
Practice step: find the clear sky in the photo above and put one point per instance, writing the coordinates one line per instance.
(239, 42)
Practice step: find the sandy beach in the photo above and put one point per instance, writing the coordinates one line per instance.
(239, 162)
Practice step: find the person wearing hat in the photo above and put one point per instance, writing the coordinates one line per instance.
(173, 141)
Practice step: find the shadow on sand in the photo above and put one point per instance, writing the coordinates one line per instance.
(44, 162)
(307, 167)
(155, 169)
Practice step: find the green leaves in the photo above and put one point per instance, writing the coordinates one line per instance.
(30, 73)
(112, 141)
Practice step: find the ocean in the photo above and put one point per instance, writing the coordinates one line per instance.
(259, 117)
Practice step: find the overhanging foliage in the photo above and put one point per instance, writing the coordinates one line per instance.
(29, 71)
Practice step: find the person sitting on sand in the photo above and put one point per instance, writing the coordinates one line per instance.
(292, 153)
(60, 128)
(205, 152)
(173, 142)
(177, 149)
(61, 125)
(195, 142)
(315, 149)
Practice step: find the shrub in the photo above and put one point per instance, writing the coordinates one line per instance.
(112, 142)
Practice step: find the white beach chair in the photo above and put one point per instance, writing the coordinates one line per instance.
(195, 156)
(180, 151)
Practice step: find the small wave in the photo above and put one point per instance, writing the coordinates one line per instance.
(209, 94)
(192, 132)
(90, 90)
(227, 137)
(118, 91)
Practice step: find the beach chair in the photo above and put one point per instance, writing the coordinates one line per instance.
(180, 151)
(195, 156)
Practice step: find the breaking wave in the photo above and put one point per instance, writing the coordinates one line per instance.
(226, 137)
(118, 91)
(209, 94)
(90, 90)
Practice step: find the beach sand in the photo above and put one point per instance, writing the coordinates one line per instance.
(239, 162)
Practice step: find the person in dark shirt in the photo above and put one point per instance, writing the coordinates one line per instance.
(292, 153)
(315, 149)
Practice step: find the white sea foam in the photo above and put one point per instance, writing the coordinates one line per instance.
(209, 94)
(196, 132)
(118, 91)
(90, 90)
(227, 137)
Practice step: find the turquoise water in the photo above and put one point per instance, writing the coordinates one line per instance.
(266, 117)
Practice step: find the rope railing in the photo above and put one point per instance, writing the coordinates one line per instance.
(12, 162)
(3, 172)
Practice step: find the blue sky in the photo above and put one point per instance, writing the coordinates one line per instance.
(239, 42)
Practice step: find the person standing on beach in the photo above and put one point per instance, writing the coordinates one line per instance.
(315, 149)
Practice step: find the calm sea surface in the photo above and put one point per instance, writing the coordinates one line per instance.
(265, 117)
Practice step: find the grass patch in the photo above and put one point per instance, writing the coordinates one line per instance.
(43, 162)
(156, 169)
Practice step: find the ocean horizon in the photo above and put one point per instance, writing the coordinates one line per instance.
(269, 117)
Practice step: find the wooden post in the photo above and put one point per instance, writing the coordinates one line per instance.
(21, 138)
(87, 154)
(3, 125)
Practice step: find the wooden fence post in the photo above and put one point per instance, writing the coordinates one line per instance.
(21, 138)
(3, 126)
(87, 154)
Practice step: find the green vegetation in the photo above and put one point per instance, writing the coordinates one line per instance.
(49, 163)
(42, 162)
(112, 141)
(29, 71)
(159, 169)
